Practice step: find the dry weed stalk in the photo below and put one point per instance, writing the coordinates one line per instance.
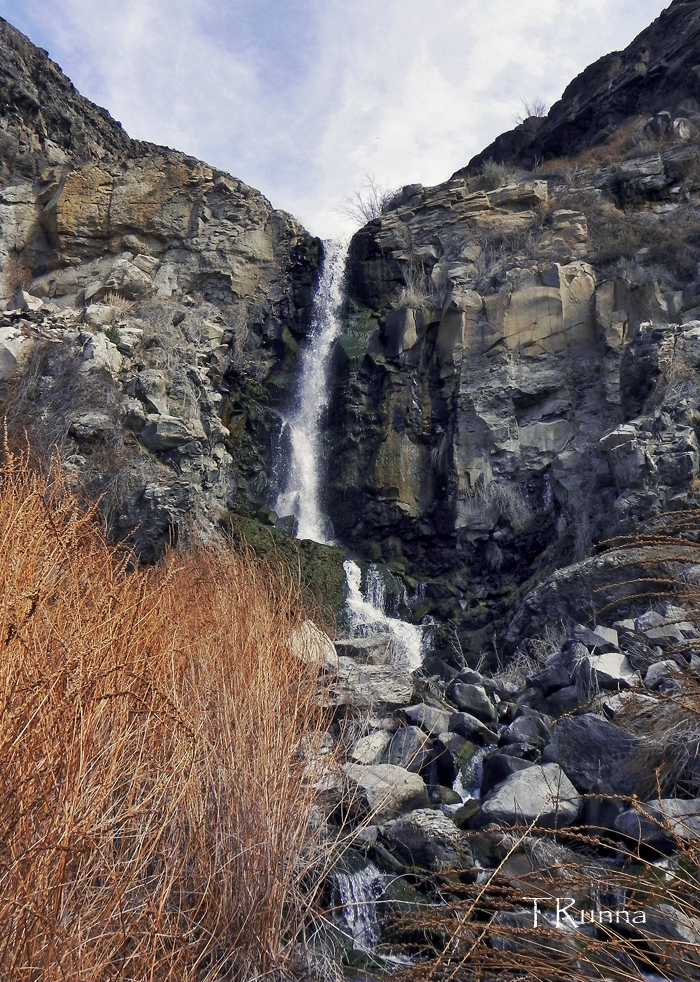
(155, 810)
(485, 930)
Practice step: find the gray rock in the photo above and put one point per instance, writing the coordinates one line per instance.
(427, 839)
(526, 729)
(544, 795)
(472, 699)
(674, 816)
(370, 749)
(598, 756)
(375, 650)
(666, 636)
(602, 638)
(660, 672)
(368, 686)
(312, 646)
(612, 670)
(386, 789)
(134, 415)
(150, 386)
(470, 727)
(430, 718)
(498, 767)
(92, 426)
(562, 701)
(25, 301)
(14, 350)
(99, 315)
(167, 432)
(554, 675)
(409, 748)
(100, 354)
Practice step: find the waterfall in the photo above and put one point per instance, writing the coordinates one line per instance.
(359, 892)
(300, 496)
(365, 617)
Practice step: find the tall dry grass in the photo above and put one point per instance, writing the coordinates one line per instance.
(155, 806)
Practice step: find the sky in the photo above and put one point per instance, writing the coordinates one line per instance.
(304, 99)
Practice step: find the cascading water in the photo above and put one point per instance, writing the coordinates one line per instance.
(365, 616)
(300, 496)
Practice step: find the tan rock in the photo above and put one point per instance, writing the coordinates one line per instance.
(313, 647)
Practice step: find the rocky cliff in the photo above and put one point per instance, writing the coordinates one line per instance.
(518, 379)
(656, 73)
(155, 304)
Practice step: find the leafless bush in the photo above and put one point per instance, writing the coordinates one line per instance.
(17, 276)
(508, 498)
(535, 107)
(420, 290)
(371, 201)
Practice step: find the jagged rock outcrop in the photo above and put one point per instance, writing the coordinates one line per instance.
(175, 287)
(518, 377)
(655, 77)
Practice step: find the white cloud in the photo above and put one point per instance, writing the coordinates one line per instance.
(302, 99)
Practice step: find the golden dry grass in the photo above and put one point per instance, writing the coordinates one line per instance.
(154, 803)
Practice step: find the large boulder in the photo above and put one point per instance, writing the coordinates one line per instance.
(387, 790)
(668, 818)
(543, 795)
(368, 686)
(168, 432)
(313, 647)
(426, 838)
(598, 756)
(409, 748)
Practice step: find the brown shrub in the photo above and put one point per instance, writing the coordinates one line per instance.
(17, 276)
(155, 806)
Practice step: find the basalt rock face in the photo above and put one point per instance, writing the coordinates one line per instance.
(178, 288)
(657, 73)
(518, 379)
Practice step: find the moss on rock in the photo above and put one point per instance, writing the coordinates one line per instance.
(318, 568)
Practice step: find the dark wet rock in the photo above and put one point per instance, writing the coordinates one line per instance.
(431, 719)
(472, 699)
(470, 727)
(386, 789)
(498, 767)
(598, 756)
(409, 748)
(428, 839)
(526, 729)
(667, 818)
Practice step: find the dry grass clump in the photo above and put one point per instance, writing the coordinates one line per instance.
(154, 803)
(17, 276)
(419, 291)
(120, 303)
(508, 499)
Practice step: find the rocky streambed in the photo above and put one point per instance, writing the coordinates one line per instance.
(576, 775)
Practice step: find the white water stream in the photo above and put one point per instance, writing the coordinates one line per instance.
(300, 496)
(365, 616)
